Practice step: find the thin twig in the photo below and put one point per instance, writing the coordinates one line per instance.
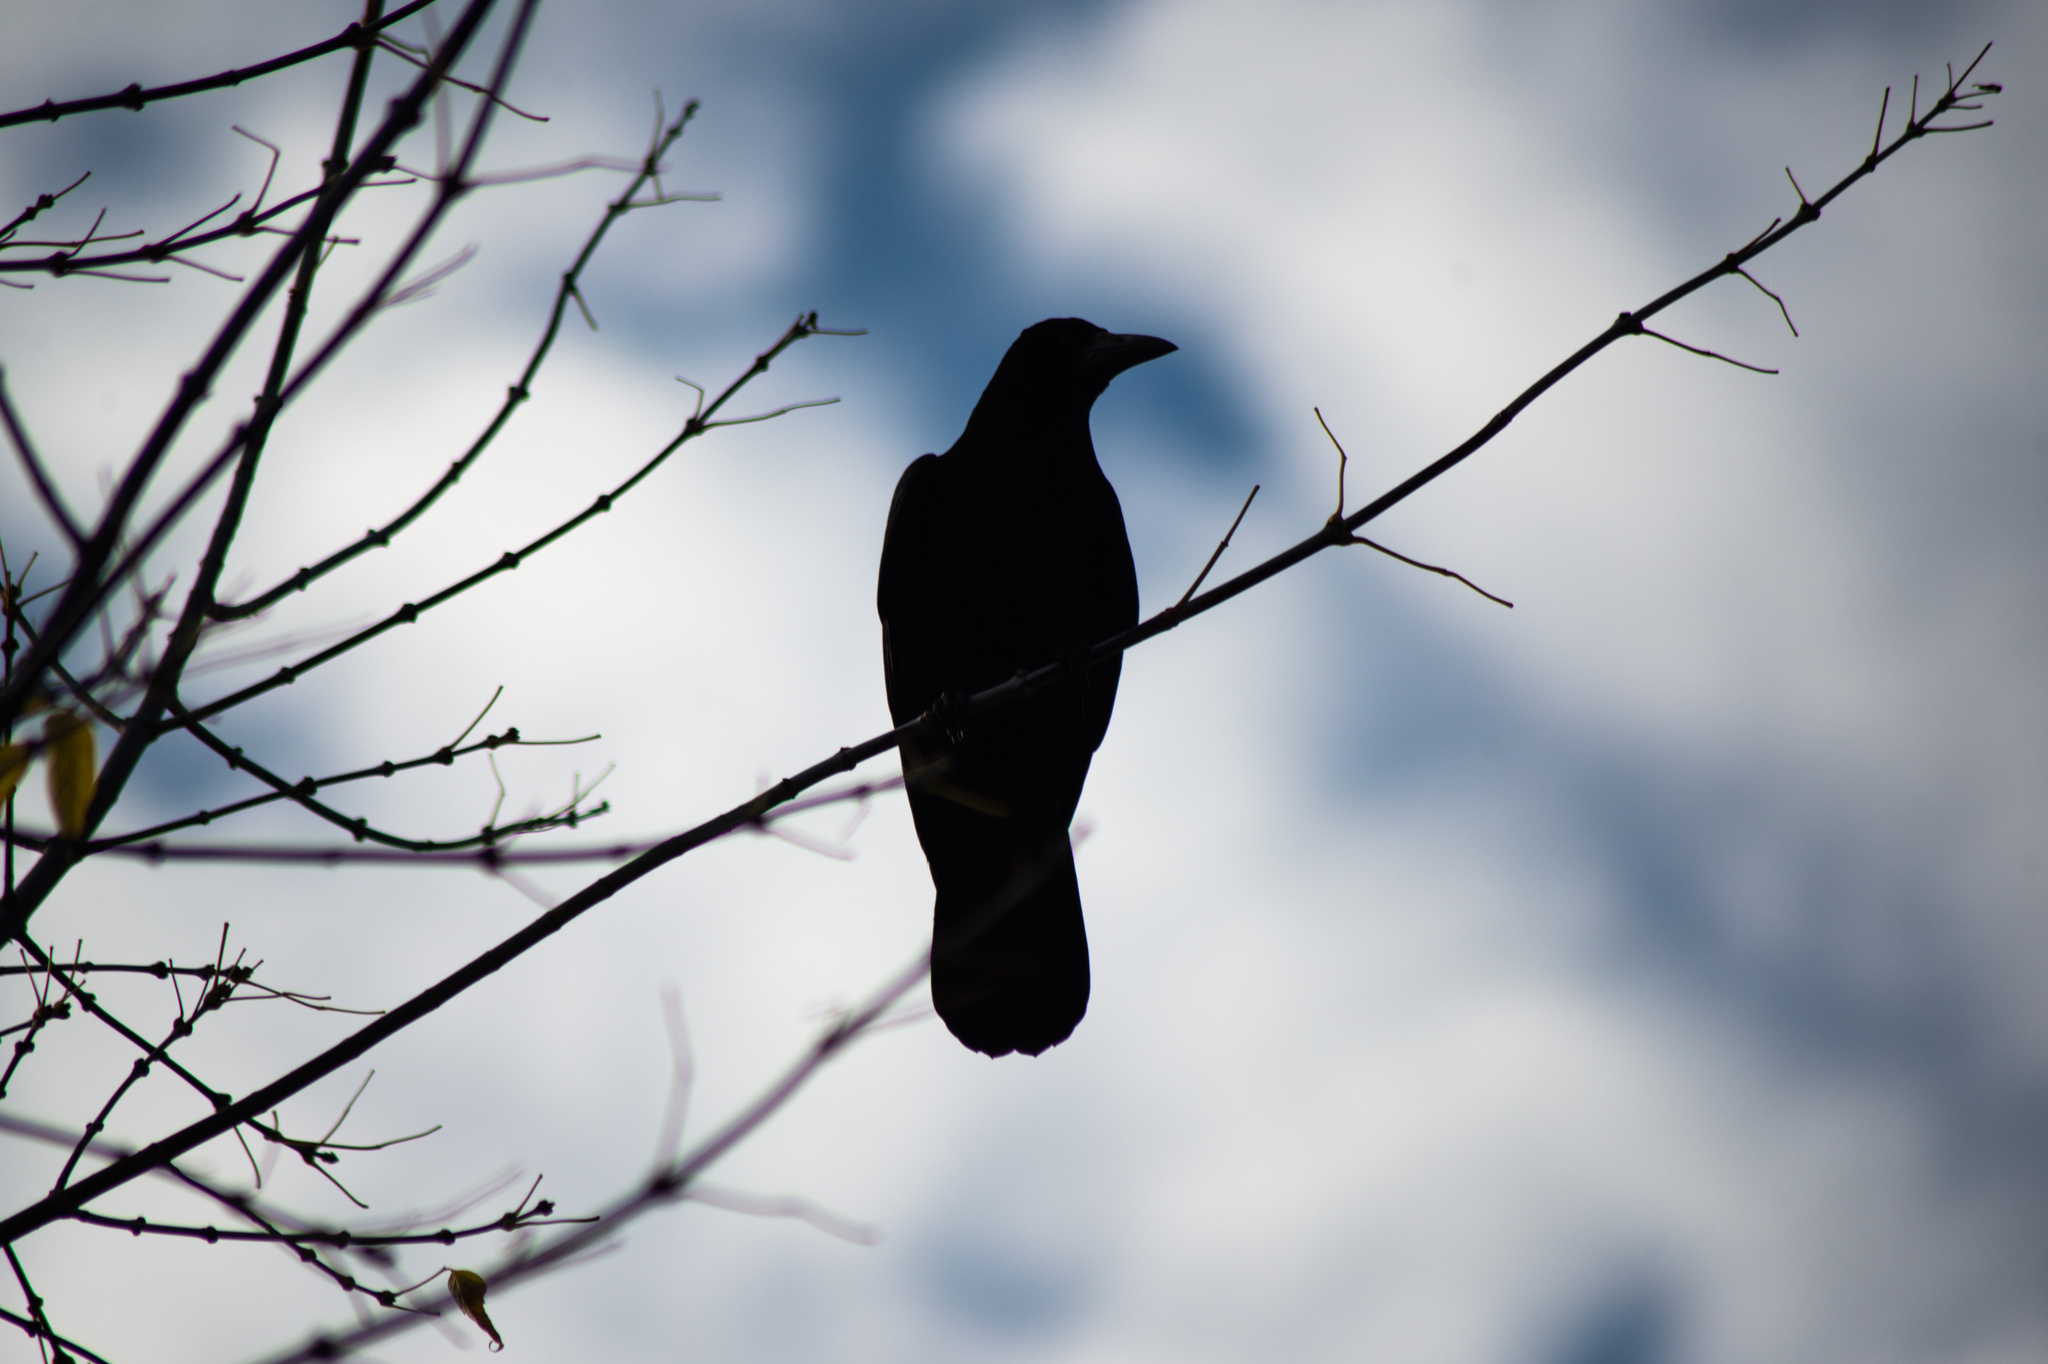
(404, 53)
(409, 613)
(678, 1180)
(301, 793)
(1008, 692)
(92, 1006)
(1343, 461)
(1221, 545)
(87, 586)
(246, 224)
(1708, 354)
(42, 202)
(1431, 568)
(1783, 311)
(74, 607)
(516, 394)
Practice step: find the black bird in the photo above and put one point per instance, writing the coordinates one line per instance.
(1009, 552)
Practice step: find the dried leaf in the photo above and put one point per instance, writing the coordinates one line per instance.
(67, 737)
(467, 1288)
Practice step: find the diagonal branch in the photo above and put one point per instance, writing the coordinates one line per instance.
(43, 201)
(87, 587)
(135, 96)
(1221, 545)
(246, 224)
(678, 1179)
(301, 793)
(150, 1053)
(520, 390)
(283, 790)
(1441, 572)
(52, 502)
(407, 614)
(1336, 532)
(120, 764)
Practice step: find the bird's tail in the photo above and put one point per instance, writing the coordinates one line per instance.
(1012, 979)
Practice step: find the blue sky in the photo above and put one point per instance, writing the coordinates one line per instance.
(1646, 974)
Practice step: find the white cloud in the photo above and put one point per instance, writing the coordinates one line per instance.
(1400, 1044)
(1395, 215)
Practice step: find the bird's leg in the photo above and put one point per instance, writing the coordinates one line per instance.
(1074, 658)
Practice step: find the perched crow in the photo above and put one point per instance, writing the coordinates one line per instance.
(1009, 552)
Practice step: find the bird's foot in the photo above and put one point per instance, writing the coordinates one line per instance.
(1074, 658)
(948, 715)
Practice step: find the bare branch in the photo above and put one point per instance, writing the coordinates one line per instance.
(782, 411)
(406, 53)
(87, 586)
(1224, 543)
(1709, 354)
(151, 1054)
(516, 395)
(1431, 568)
(562, 168)
(26, 452)
(247, 223)
(682, 1076)
(413, 290)
(673, 1183)
(512, 559)
(301, 793)
(135, 97)
(42, 202)
(760, 1205)
(276, 154)
(1782, 310)
(1343, 461)
(35, 1330)
(679, 1180)
(339, 1239)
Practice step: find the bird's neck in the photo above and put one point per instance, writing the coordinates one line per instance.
(1040, 437)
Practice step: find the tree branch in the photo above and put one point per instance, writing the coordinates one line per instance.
(516, 395)
(135, 96)
(407, 614)
(86, 588)
(1335, 532)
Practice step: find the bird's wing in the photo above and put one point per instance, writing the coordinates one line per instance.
(906, 593)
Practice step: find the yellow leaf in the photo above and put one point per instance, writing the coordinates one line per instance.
(68, 739)
(467, 1288)
(13, 762)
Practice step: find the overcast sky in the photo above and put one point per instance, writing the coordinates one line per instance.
(1647, 974)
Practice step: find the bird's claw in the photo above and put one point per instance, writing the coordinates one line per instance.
(948, 715)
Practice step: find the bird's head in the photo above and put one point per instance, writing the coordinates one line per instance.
(1056, 369)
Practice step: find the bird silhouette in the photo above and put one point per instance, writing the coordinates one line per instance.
(1009, 552)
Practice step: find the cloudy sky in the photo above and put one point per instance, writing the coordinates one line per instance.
(1646, 974)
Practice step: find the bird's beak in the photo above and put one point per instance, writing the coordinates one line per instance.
(1110, 354)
